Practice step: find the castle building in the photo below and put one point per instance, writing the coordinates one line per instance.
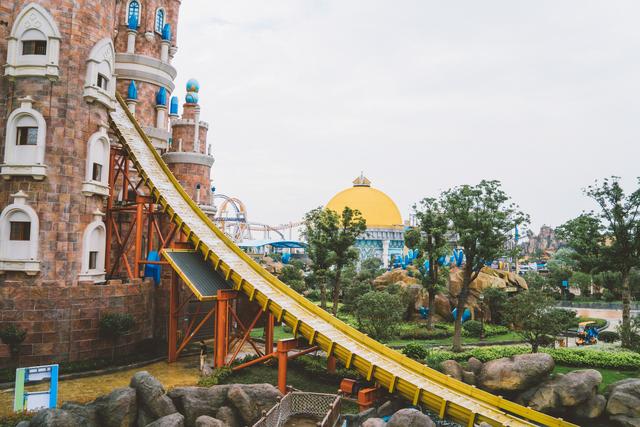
(384, 238)
(62, 64)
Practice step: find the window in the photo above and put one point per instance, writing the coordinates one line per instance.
(134, 12)
(93, 260)
(159, 20)
(103, 82)
(27, 135)
(20, 230)
(97, 172)
(34, 47)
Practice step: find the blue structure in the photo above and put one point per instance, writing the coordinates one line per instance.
(29, 401)
(161, 97)
(193, 87)
(132, 91)
(173, 106)
(466, 315)
(166, 32)
(153, 270)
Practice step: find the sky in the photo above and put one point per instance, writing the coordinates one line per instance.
(303, 95)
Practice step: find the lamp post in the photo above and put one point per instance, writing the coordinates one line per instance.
(481, 300)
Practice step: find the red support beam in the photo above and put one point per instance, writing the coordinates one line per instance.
(174, 310)
(268, 334)
(284, 346)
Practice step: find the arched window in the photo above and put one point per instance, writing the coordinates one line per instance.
(133, 12)
(159, 25)
(93, 250)
(34, 44)
(25, 143)
(100, 83)
(97, 169)
(19, 228)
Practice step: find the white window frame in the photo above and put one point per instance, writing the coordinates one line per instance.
(126, 13)
(98, 274)
(8, 260)
(102, 55)
(33, 17)
(155, 19)
(91, 187)
(14, 164)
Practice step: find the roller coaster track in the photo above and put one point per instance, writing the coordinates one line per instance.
(414, 381)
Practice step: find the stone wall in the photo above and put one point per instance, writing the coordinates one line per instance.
(62, 321)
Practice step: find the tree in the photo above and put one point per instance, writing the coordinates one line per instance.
(378, 313)
(561, 266)
(430, 239)
(293, 276)
(482, 218)
(584, 236)
(495, 299)
(620, 248)
(315, 233)
(115, 325)
(535, 317)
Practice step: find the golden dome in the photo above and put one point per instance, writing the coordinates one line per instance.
(375, 206)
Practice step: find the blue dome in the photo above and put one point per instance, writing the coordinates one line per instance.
(133, 22)
(191, 98)
(173, 109)
(132, 90)
(193, 86)
(166, 32)
(161, 97)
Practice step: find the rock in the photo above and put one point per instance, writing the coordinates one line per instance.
(469, 377)
(173, 420)
(592, 408)
(386, 409)
(206, 421)
(247, 408)
(443, 307)
(409, 417)
(374, 422)
(206, 370)
(624, 399)
(151, 395)
(55, 418)
(228, 417)
(392, 277)
(144, 418)
(118, 408)
(515, 373)
(452, 368)
(193, 402)
(23, 424)
(624, 421)
(565, 392)
(86, 414)
(474, 365)
(264, 396)
(366, 414)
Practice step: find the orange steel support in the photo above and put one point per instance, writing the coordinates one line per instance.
(331, 364)
(367, 398)
(268, 334)
(174, 301)
(222, 326)
(283, 348)
(139, 228)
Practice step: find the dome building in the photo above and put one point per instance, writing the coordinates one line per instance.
(384, 237)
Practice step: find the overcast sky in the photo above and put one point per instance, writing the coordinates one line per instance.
(302, 95)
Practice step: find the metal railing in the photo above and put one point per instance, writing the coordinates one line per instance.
(323, 407)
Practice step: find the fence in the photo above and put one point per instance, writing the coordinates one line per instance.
(324, 407)
(597, 304)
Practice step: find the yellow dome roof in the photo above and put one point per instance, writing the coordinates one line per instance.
(374, 205)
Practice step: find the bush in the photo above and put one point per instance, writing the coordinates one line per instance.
(411, 331)
(316, 366)
(609, 336)
(379, 313)
(415, 351)
(13, 335)
(217, 377)
(472, 328)
(115, 325)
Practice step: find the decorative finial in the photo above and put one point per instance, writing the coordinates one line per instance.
(132, 91)
(361, 181)
(173, 108)
(161, 97)
(193, 87)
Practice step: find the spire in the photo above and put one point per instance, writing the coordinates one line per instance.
(361, 181)
(161, 97)
(132, 91)
(173, 110)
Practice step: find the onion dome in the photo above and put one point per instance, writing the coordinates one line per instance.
(132, 91)
(166, 32)
(161, 97)
(173, 106)
(193, 87)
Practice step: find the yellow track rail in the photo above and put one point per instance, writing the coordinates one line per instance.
(414, 381)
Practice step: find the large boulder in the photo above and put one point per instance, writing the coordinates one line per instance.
(517, 373)
(410, 417)
(228, 417)
(623, 421)
(474, 365)
(264, 396)
(151, 395)
(374, 422)
(118, 408)
(392, 277)
(443, 307)
(206, 421)
(194, 402)
(452, 368)
(624, 399)
(247, 408)
(172, 420)
(86, 414)
(55, 418)
(592, 408)
(575, 391)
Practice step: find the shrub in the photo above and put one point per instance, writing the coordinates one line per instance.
(472, 328)
(13, 335)
(609, 336)
(415, 351)
(217, 377)
(378, 313)
(115, 325)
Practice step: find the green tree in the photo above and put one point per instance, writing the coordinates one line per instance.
(293, 276)
(317, 237)
(535, 317)
(495, 300)
(620, 248)
(561, 266)
(115, 325)
(482, 217)
(378, 313)
(583, 280)
(584, 236)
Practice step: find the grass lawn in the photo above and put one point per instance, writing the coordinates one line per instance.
(608, 375)
(511, 336)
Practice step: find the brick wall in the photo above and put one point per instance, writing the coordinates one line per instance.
(62, 321)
